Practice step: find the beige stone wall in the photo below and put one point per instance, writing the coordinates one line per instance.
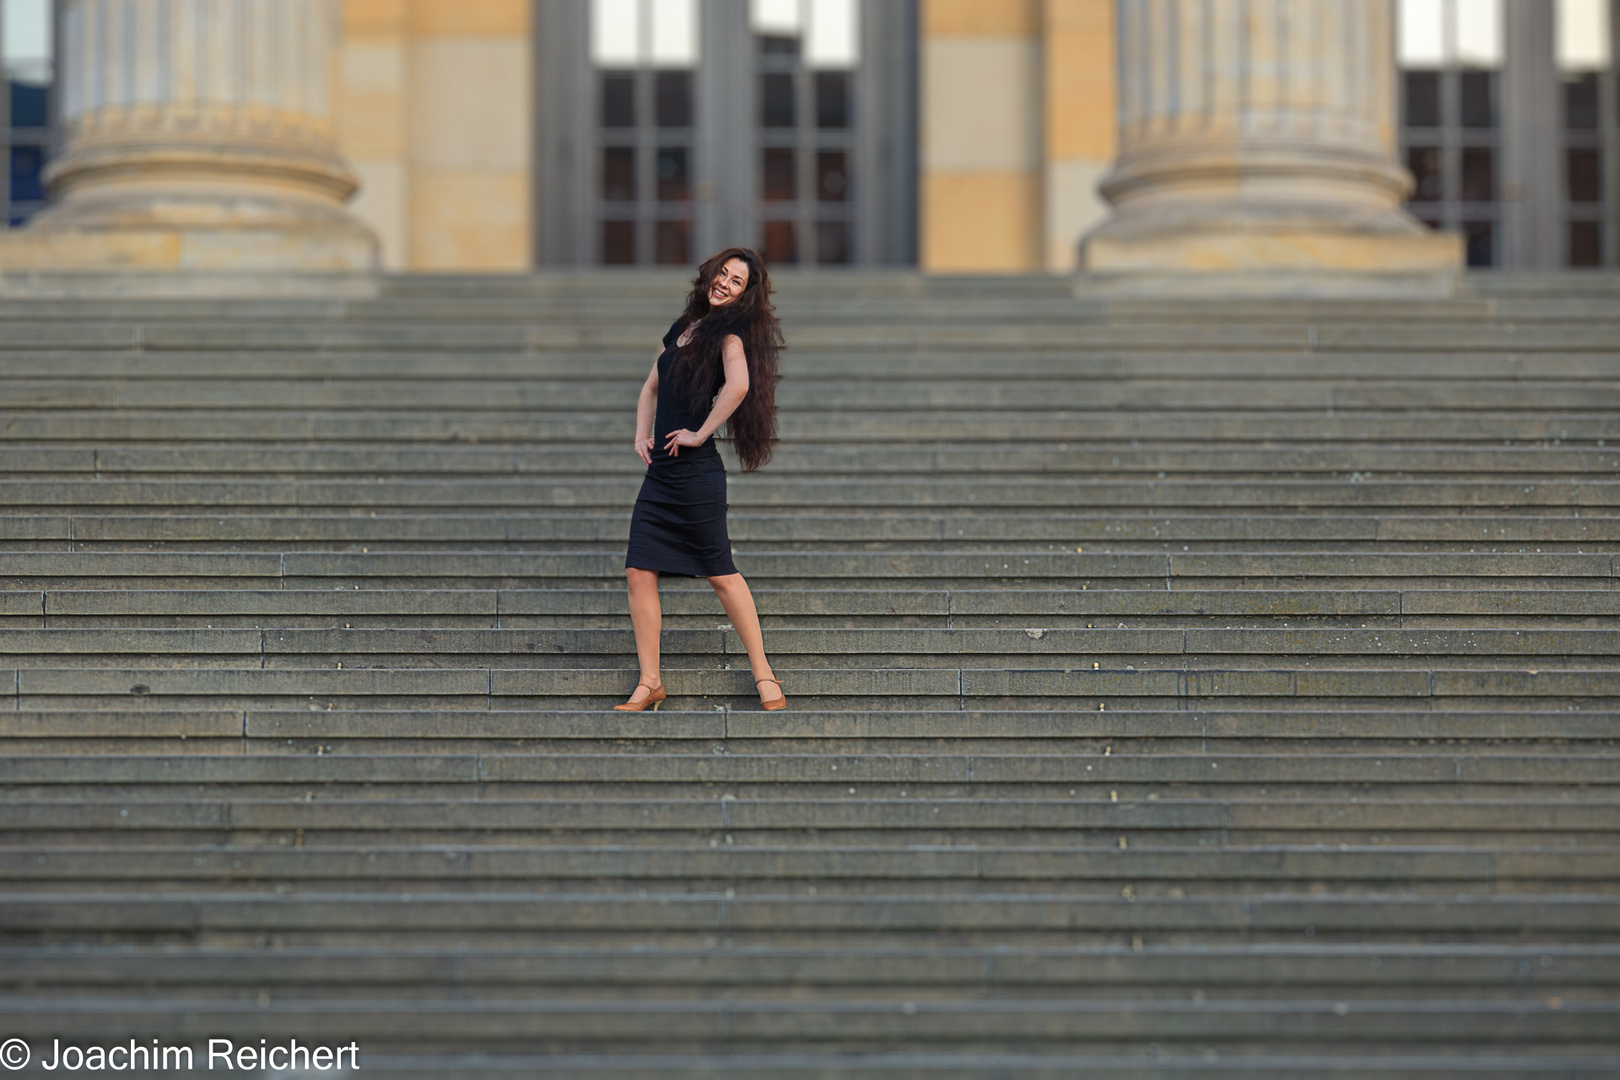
(371, 117)
(1017, 125)
(980, 188)
(436, 110)
(1080, 121)
(1017, 119)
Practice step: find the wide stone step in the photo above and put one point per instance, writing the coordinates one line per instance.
(1483, 781)
(1589, 767)
(606, 290)
(1309, 970)
(901, 459)
(198, 731)
(1193, 605)
(799, 296)
(974, 1038)
(201, 530)
(961, 649)
(827, 366)
(1130, 571)
(1237, 1063)
(1016, 609)
(555, 423)
(1493, 611)
(1321, 1063)
(1582, 296)
(1198, 645)
(886, 329)
(865, 821)
(880, 330)
(673, 870)
(631, 362)
(476, 918)
(855, 688)
(1009, 492)
(960, 394)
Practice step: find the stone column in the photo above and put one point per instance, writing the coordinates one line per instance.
(1259, 135)
(196, 134)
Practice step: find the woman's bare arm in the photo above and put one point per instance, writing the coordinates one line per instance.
(646, 407)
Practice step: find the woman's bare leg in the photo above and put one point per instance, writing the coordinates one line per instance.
(739, 604)
(647, 618)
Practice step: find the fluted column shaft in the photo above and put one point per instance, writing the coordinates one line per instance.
(1258, 133)
(208, 122)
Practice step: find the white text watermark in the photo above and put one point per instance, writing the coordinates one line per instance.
(219, 1055)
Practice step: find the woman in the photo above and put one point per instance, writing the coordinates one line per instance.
(718, 366)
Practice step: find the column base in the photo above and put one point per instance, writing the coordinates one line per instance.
(145, 227)
(1296, 284)
(62, 254)
(346, 249)
(153, 284)
(1202, 242)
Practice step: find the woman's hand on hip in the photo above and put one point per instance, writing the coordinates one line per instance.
(644, 449)
(680, 438)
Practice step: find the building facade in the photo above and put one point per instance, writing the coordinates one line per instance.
(954, 135)
(1508, 125)
(25, 137)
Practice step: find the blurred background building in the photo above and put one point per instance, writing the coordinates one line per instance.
(953, 135)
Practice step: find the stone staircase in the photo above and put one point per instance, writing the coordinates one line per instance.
(1205, 689)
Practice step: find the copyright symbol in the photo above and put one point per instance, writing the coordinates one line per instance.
(14, 1054)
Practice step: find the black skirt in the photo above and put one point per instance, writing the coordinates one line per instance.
(679, 524)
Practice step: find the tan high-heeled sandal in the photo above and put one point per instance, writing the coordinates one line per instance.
(655, 694)
(779, 703)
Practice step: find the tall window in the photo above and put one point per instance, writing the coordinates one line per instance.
(1590, 92)
(1451, 54)
(808, 52)
(644, 54)
(667, 129)
(25, 44)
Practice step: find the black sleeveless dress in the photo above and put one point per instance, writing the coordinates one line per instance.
(679, 524)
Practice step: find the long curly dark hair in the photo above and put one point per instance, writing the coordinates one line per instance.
(698, 369)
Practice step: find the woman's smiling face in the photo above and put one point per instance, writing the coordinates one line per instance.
(729, 283)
